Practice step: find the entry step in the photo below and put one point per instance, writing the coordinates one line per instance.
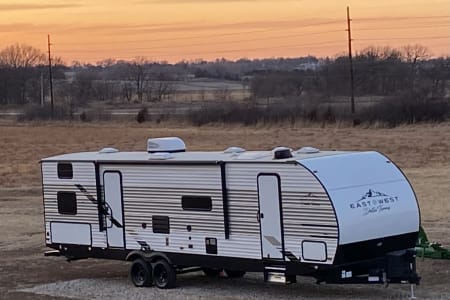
(277, 274)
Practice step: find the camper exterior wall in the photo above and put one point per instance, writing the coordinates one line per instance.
(150, 190)
(307, 211)
(372, 197)
(86, 210)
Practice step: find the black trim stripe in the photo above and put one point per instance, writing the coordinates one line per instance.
(226, 217)
(100, 200)
(291, 256)
(85, 192)
(374, 248)
(144, 245)
(102, 209)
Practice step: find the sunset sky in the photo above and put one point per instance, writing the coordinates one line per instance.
(172, 30)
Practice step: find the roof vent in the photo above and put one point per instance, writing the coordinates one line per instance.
(160, 156)
(282, 152)
(234, 150)
(308, 150)
(108, 150)
(166, 144)
(251, 155)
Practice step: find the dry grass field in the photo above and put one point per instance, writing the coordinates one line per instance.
(422, 151)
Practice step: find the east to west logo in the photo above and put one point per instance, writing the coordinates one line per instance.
(374, 202)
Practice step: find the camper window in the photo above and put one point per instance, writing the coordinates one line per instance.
(65, 171)
(67, 203)
(202, 203)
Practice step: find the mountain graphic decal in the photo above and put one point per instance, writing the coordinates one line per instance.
(371, 193)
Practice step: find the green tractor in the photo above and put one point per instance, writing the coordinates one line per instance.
(427, 249)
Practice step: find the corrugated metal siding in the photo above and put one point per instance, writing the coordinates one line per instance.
(157, 189)
(168, 176)
(87, 212)
(307, 211)
(242, 176)
(178, 241)
(141, 204)
(83, 173)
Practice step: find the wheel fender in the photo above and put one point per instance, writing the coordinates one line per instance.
(148, 256)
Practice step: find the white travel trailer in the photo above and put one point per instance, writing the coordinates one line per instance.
(341, 217)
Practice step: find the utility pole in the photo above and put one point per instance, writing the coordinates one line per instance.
(42, 89)
(352, 84)
(50, 74)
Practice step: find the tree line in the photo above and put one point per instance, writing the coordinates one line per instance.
(408, 74)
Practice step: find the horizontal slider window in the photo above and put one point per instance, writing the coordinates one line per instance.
(200, 203)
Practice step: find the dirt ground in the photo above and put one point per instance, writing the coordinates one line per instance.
(422, 151)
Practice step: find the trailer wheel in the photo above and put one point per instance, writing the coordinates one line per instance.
(210, 272)
(164, 275)
(234, 274)
(141, 273)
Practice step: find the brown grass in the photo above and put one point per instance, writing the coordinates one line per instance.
(422, 151)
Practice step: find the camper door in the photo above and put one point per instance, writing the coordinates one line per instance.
(112, 183)
(269, 194)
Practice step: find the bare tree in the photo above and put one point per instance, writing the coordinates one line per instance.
(17, 64)
(21, 56)
(127, 91)
(163, 88)
(140, 75)
(413, 54)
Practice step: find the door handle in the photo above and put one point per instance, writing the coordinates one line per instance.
(259, 216)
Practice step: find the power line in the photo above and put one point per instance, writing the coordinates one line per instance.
(405, 38)
(401, 18)
(224, 42)
(209, 35)
(229, 50)
(289, 46)
(200, 55)
(405, 27)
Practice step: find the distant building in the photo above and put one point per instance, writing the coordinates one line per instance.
(308, 66)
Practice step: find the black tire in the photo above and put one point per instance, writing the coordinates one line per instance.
(164, 275)
(141, 273)
(209, 272)
(234, 274)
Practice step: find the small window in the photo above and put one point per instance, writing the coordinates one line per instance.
(65, 171)
(202, 203)
(67, 203)
(160, 224)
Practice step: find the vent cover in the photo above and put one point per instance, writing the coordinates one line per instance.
(282, 152)
(166, 144)
(108, 150)
(234, 150)
(308, 150)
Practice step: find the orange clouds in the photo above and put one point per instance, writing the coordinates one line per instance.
(187, 29)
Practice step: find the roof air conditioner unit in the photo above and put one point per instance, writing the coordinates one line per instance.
(166, 144)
